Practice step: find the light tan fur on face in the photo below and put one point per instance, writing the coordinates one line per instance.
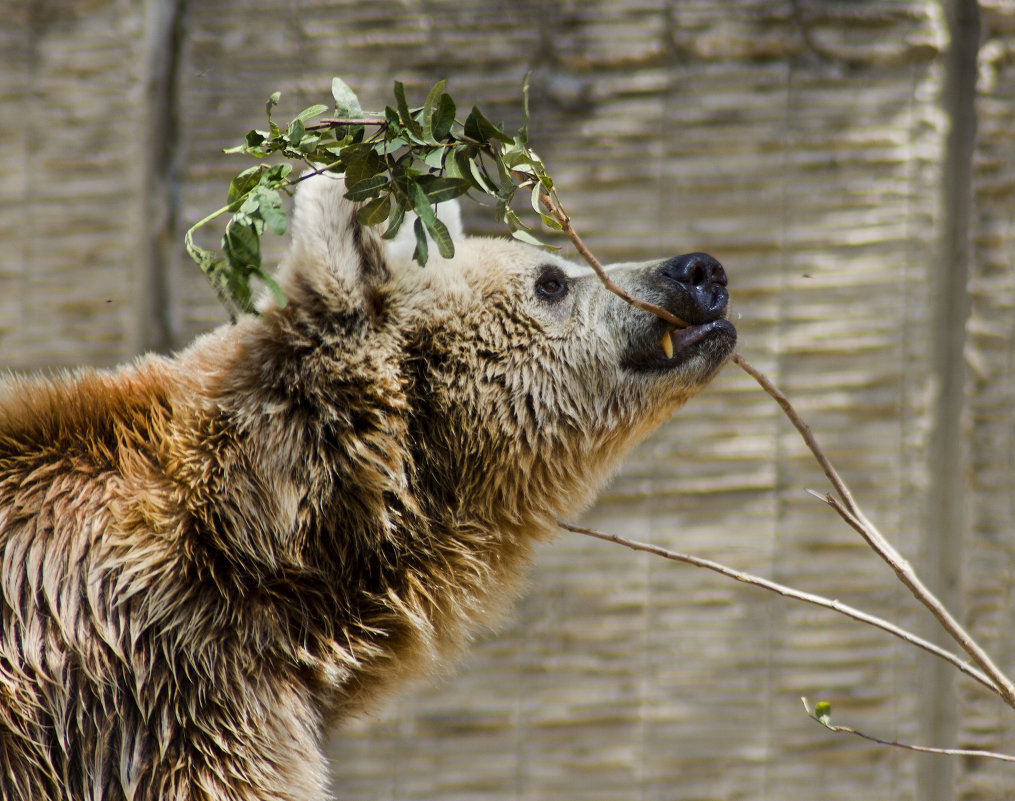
(208, 559)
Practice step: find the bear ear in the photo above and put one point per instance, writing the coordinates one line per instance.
(402, 246)
(333, 258)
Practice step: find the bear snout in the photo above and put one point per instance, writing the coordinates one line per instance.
(697, 283)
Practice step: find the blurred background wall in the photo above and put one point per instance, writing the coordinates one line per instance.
(853, 166)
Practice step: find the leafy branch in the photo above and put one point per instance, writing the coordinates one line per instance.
(409, 159)
(403, 160)
(792, 593)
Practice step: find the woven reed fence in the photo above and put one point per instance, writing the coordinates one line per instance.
(852, 165)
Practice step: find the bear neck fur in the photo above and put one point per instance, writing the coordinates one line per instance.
(303, 488)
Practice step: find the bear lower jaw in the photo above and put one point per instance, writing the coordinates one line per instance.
(680, 338)
(678, 346)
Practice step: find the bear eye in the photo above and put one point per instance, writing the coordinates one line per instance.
(551, 284)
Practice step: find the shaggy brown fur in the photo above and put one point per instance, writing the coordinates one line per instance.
(207, 560)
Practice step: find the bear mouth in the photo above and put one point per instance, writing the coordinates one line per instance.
(678, 345)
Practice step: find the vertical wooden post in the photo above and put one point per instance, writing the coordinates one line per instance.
(151, 327)
(947, 511)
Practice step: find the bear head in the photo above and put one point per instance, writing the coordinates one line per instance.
(520, 379)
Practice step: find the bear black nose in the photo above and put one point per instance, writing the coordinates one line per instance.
(695, 270)
(703, 279)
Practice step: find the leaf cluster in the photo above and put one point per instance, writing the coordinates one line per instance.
(406, 159)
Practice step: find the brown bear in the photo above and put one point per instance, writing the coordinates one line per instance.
(208, 559)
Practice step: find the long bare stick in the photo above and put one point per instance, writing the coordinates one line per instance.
(790, 592)
(912, 581)
(847, 508)
(923, 749)
(854, 517)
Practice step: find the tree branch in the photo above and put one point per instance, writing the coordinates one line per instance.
(845, 506)
(556, 210)
(790, 592)
(912, 581)
(924, 749)
(854, 517)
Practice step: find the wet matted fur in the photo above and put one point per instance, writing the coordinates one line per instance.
(207, 560)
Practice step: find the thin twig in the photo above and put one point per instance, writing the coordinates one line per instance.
(556, 210)
(790, 592)
(924, 749)
(854, 517)
(912, 581)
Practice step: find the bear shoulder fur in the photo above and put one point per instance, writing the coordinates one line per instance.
(208, 559)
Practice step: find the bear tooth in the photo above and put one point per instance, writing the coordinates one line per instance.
(667, 344)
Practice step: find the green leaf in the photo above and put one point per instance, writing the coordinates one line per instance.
(523, 132)
(823, 712)
(420, 203)
(435, 158)
(242, 247)
(479, 128)
(212, 264)
(295, 132)
(518, 157)
(439, 190)
(394, 123)
(451, 168)
(526, 237)
(390, 145)
(366, 189)
(250, 214)
(268, 106)
(309, 143)
(507, 184)
(444, 117)
(457, 160)
(243, 183)
(361, 166)
(410, 124)
(276, 219)
(272, 211)
(352, 154)
(479, 181)
(396, 220)
(551, 222)
(255, 143)
(238, 288)
(442, 237)
(346, 103)
(421, 252)
(276, 176)
(375, 212)
(311, 112)
(429, 107)
(537, 192)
